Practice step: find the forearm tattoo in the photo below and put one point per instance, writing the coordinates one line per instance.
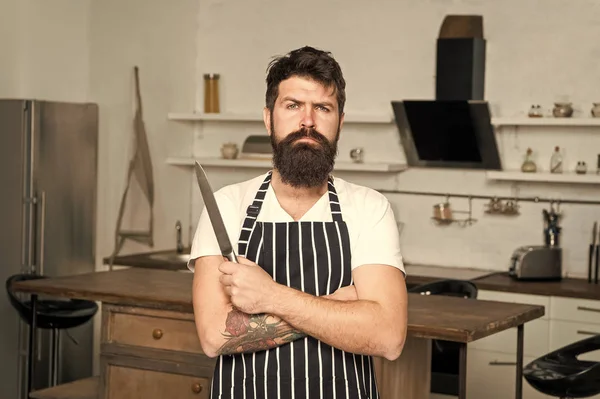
(250, 333)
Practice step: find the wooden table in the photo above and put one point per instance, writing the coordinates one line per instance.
(138, 300)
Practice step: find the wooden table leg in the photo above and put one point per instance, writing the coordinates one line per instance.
(409, 376)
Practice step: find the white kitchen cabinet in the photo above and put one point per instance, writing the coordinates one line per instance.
(492, 375)
(536, 340)
(572, 320)
(564, 333)
(576, 310)
(491, 361)
(567, 332)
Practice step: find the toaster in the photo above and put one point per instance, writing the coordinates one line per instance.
(536, 262)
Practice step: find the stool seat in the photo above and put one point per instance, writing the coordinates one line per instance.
(448, 287)
(561, 374)
(51, 313)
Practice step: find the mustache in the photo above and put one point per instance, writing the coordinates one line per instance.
(306, 133)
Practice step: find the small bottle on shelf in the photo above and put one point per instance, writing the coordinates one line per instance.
(556, 161)
(528, 165)
(581, 168)
(535, 111)
(211, 93)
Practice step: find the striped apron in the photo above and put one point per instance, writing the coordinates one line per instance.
(313, 257)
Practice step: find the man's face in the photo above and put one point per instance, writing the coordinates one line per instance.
(304, 127)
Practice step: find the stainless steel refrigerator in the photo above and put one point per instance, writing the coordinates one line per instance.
(48, 185)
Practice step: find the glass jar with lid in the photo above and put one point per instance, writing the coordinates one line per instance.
(211, 93)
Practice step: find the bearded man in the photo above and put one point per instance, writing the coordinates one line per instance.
(320, 284)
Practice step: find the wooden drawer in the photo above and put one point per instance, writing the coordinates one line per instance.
(152, 329)
(128, 383)
(572, 309)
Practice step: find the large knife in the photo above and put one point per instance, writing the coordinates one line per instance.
(215, 216)
(593, 252)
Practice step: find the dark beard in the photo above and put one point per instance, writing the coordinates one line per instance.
(303, 164)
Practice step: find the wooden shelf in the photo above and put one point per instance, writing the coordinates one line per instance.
(545, 121)
(257, 117)
(263, 164)
(568, 178)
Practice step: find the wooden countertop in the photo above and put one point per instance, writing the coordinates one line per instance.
(496, 281)
(148, 261)
(439, 317)
(567, 287)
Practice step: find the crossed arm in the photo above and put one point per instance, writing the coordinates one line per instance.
(239, 308)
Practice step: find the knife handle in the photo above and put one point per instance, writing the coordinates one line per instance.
(596, 264)
(590, 262)
(231, 257)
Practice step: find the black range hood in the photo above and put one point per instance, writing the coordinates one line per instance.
(447, 134)
(454, 130)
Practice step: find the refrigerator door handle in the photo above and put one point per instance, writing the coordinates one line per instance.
(25, 249)
(42, 231)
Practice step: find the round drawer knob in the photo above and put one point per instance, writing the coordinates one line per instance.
(196, 388)
(157, 333)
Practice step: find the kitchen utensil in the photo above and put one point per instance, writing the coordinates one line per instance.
(596, 110)
(556, 161)
(581, 168)
(551, 227)
(562, 110)
(215, 216)
(494, 206)
(229, 150)
(442, 212)
(536, 262)
(592, 250)
(511, 208)
(257, 147)
(535, 111)
(597, 261)
(356, 154)
(211, 93)
(529, 165)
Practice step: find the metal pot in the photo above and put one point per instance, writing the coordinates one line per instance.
(442, 211)
(562, 110)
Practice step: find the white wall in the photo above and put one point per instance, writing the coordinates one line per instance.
(537, 52)
(44, 49)
(54, 49)
(159, 37)
(8, 47)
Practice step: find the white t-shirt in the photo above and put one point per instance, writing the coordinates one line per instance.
(374, 236)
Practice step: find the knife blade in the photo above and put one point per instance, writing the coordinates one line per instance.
(592, 251)
(214, 214)
(597, 260)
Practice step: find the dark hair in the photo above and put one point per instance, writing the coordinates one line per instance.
(307, 62)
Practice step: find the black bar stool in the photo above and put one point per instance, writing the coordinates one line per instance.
(51, 314)
(561, 374)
